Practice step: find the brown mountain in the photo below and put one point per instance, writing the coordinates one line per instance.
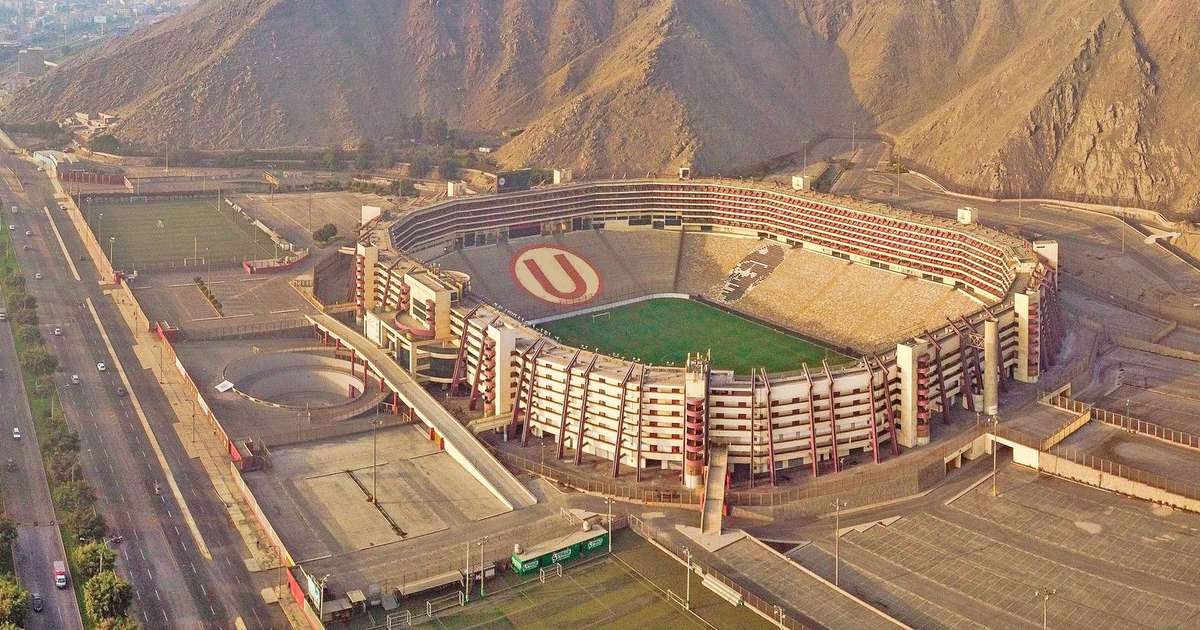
(1072, 97)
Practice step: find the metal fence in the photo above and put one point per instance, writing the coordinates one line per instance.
(924, 464)
(1190, 490)
(1182, 438)
(623, 490)
(1186, 489)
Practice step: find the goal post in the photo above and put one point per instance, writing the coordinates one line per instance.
(601, 316)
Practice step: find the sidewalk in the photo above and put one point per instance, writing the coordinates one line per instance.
(197, 438)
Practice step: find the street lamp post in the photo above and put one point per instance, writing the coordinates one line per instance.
(1045, 596)
(111, 241)
(995, 432)
(838, 504)
(375, 458)
(481, 543)
(467, 575)
(688, 593)
(609, 501)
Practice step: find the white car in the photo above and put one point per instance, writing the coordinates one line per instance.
(11, 227)
(100, 367)
(28, 232)
(16, 433)
(74, 379)
(37, 276)
(57, 332)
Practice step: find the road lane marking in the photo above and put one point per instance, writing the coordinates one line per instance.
(66, 254)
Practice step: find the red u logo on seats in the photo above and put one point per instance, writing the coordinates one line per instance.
(578, 286)
(555, 275)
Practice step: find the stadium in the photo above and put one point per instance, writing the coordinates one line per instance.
(654, 323)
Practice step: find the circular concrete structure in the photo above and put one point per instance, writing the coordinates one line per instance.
(295, 380)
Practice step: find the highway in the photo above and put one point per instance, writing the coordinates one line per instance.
(27, 501)
(175, 585)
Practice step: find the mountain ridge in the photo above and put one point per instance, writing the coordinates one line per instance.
(1076, 98)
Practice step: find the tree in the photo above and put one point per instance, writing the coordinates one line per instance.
(38, 361)
(104, 143)
(21, 301)
(8, 530)
(362, 156)
(14, 601)
(325, 233)
(332, 159)
(64, 466)
(28, 335)
(86, 523)
(94, 557)
(115, 623)
(389, 158)
(74, 495)
(15, 282)
(107, 595)
(59, 438)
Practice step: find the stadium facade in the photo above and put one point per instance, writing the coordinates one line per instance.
(641, 416)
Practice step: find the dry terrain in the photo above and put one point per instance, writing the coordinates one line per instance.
(1082, 98)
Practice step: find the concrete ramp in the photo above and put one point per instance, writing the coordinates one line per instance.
(714, 491)
(459, 443)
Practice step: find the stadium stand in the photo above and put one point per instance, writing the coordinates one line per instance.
(849, 266)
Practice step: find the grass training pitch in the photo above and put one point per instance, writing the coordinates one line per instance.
(177, 233)
(627, 589)
(662, 331)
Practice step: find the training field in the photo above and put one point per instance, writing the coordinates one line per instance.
(625, 590)
(176, 233)
(662, 331)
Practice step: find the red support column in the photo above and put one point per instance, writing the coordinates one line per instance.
(891, 414)
(874, 425)
(637, 465)
(620, 439)
(833, 445)
(521, 373)
(541, 345)
(812, 425)
(562, 420)
(583, 404)
(770, 427)
(753, 420)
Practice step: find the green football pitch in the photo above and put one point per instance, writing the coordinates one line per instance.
(179, 233)
(662, 331)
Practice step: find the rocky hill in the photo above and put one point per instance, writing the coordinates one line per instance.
(1088, 98)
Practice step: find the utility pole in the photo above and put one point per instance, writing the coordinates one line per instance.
(838, 504)
(1045, 596)
(897, 178)
(111, 241)
(805, 143)
(467, 574)
(160, 368)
